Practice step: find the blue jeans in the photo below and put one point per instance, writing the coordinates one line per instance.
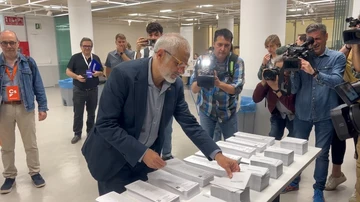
(217, 132)
(228, 128)
(324, 132)
(166, 151)
(278, 125)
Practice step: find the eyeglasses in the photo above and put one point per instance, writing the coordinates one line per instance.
(86, 46)
(6, 43)
(179, 62)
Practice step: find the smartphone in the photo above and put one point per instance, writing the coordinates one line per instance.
(151, 42)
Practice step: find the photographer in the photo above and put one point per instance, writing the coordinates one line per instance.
(145, 46)
(281, 107)
(315, 97)
(338, 147)
(272, 43)
(217, 102)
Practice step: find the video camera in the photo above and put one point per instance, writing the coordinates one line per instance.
(346, 117)
(294, 52)
(270, 74)
(352, 36)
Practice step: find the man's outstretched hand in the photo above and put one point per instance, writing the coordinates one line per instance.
(228, 164)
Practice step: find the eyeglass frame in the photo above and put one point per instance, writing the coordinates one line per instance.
(86, 46)
(177, 60)
(7, 43)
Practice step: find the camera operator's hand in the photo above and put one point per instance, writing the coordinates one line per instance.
(141, 42)
(217, 80)
(266, 59)
(306, 67)
(273, 84)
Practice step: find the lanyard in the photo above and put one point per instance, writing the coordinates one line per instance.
(86, 62)
(11, 77)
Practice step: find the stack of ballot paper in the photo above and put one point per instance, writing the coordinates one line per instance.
(258, 138)
(116, 197)
(180, 168)
(260, 146)
(230, 156)
(236, 149)
(205, 164)
(260, 176)
(235, 189)
(205, 198)
(275, 166)
(285, 155)
(146, 192)
(186, 189)
(300, 146)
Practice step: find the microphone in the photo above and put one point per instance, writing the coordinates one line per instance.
(281, 50)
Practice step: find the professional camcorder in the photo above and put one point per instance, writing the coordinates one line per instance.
(294, 52)
(352, 36)
(346, 117)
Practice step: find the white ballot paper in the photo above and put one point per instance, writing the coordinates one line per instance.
(260, 176)
(258, 138)
(236, 149)
(205, 198)
(186, 189)
(116, 197)
(181, 169)
(230, 156)
(285, 155)
(205, 164)
(233, 190)
(300, 146)
(275, 166)
(146, 192)
(260, 146)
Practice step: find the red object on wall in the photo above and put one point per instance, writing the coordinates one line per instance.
(24, 48)
(10, 20)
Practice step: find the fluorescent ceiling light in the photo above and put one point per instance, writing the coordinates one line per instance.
(165, 11)
(205, 6)
(187, 24)
(54, 7)
(189, 19)
(167, 17)
(321, 1)
(295, 9)
(133, 14)
(201, 13)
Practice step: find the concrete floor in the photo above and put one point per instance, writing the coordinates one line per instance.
(68, 179)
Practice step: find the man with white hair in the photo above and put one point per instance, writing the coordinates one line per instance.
(136, 105)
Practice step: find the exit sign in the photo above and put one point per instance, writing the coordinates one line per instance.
(37, 26)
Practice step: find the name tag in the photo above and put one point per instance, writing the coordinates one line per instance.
(89, 74)
(13, 93)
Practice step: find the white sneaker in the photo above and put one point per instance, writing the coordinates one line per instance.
(353, 197)
(333, 182)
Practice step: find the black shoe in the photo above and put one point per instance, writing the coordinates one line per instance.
(165, 158)
(7, 186)
(75, 139)
(38, 180)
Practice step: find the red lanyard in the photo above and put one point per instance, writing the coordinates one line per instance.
(11, 77)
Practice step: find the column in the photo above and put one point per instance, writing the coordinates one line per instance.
(188, 33)
(354, 8)
(258, 20)
(80, 21)
(226, 22)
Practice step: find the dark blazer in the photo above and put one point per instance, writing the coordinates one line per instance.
(122, 109)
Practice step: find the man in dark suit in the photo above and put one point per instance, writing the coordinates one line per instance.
(138, 101)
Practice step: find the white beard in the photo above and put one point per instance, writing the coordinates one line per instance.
(166, 74)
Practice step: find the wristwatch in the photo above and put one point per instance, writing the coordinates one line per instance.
(316, 72)
(121, 53)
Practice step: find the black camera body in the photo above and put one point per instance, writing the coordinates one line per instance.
(352, 36)
(270, 74)
(294, 52)
(346, 117)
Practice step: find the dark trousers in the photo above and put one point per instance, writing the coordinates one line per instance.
(278, 125)
(82, 98)
(125, 176)
(338, 149)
